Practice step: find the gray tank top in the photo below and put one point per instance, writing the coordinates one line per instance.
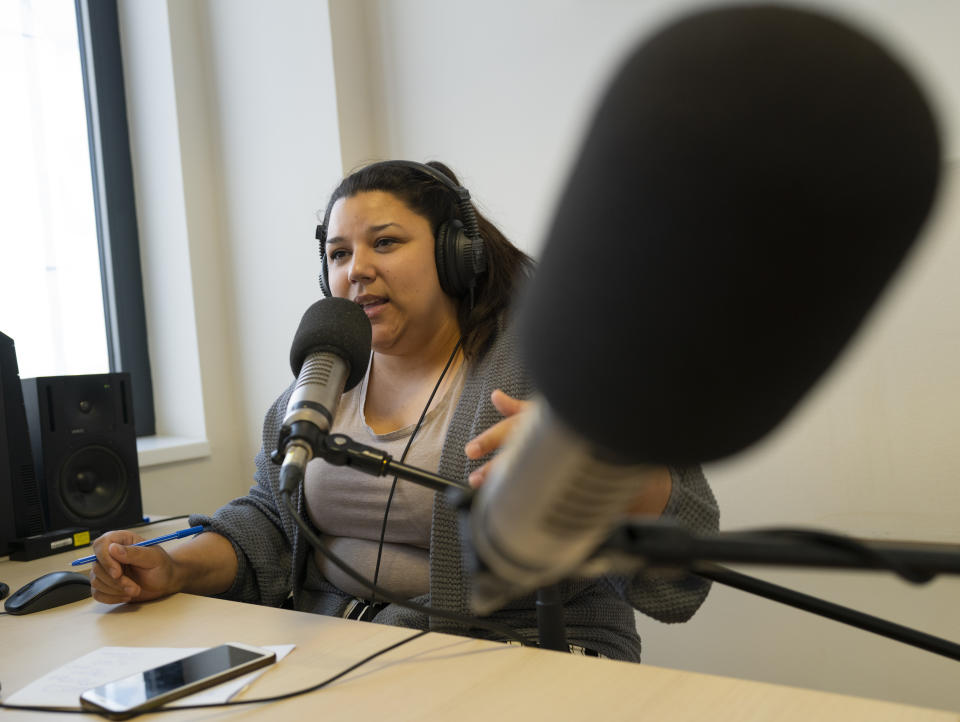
(347, 506)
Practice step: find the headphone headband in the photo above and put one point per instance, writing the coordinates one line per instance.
(461, 192)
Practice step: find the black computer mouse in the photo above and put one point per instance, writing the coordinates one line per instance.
(50, 590)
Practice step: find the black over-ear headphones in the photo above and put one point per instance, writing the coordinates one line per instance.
(460, 254)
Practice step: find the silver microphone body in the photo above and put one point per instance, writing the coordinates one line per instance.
(549, 501)
(311, 409)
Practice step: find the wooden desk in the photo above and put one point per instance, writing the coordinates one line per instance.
(435, 677)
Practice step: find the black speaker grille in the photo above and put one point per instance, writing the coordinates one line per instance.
(93, 482)
(31, 498)
(85, 450)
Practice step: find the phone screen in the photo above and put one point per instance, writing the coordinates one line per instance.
(161, 682)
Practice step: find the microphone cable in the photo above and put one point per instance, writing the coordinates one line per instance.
(319, 545)
(158, 521)
(835, 540)
(377, 591)
(235, 703)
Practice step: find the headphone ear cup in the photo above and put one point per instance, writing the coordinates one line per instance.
(445, 252)
(474, 258)
(460, 259)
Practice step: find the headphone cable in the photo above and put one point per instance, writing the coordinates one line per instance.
(393, 487)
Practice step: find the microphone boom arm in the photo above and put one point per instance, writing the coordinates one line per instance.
(658, 544)
(662, 543)
(341, 450)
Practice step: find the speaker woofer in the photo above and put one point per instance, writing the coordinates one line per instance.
(92, 482)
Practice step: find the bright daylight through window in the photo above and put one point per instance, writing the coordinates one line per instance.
(71, 296)
(51, 298)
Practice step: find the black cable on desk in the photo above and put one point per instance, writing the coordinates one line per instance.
(158, 521)
(235, 703)
(296, 693)
(49, 710)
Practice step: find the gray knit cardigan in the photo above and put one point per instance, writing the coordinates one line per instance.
(275, 560)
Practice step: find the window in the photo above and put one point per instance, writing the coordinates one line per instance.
(70, 288)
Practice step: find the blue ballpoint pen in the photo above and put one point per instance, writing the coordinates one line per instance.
(148, 543)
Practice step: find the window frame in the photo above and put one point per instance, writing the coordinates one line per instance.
(114, 202)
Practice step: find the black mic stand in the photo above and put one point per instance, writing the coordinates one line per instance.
(341, 450)
(550, 625)
(662, 543)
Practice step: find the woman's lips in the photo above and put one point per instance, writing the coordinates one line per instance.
(371, 305)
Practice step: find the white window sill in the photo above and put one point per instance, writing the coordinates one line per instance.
(156, 450)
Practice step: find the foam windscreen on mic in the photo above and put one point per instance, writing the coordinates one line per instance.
(338, 326)
(751, 181)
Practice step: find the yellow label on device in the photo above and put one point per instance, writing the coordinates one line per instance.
(81, 538)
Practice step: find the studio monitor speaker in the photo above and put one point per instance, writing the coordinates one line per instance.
(21, 513)
(85, 450)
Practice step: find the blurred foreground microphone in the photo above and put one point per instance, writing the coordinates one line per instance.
(329, 355)
(751, 180)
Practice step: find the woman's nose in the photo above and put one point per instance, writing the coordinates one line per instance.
(361, 266)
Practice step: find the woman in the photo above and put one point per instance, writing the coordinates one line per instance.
(443, 390)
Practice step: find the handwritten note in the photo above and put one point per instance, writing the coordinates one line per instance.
(61, 688)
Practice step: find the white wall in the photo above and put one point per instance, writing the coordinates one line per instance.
(235, 146)
(501, 91)
(871, 452)
(239, 134)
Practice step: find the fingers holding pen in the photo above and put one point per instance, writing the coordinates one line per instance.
(105, 547)
(108, 580)
(111, 591)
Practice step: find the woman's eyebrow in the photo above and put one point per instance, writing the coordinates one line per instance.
(377, 229)
(370, 230)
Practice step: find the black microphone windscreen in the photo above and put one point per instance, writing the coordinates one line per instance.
(751, 180)
(338, 326)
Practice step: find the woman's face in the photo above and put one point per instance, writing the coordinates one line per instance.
(380, 254)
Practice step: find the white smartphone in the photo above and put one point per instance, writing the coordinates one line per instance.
(130, 696)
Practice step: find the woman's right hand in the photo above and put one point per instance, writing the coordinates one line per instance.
(127, 573)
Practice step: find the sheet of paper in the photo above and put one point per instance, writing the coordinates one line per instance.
(61, 688)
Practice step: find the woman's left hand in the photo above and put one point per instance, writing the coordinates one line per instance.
(494, 437)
